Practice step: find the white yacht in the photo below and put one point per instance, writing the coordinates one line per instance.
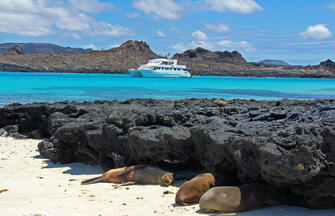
(160, 68)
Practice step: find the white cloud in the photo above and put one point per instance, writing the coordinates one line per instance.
(160, 33)
(108, 29)
(91, 6)
(319, 31)
(238, 6)
(199, 35)
(47, 17)
(133, 15)
(204, 44)
(90, 46)
(214, 45)
(167, 9)
(179, 47)
(218, 27)
(176, 30)
(331, 6)
(236, 45)
(113, 46)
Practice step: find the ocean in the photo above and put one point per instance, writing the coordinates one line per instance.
(51, 87)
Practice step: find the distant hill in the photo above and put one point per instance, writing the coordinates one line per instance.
(274, 62)
(116, 60)
(131, 54)
(202, 59)
(37, 48)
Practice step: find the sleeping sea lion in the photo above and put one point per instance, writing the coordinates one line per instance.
(241, 198)
(191, 191)
(137, 174)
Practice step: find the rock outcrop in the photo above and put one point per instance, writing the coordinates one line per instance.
(289, 144)
(116, 60)
(202, 59)
(15, 50)
(328, 65)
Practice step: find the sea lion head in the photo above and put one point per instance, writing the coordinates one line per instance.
(167, 178)
(210, 179)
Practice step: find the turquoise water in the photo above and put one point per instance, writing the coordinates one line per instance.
(50, 87)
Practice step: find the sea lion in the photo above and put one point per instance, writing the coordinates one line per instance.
(220, 102)
(241, 198)
(137, 174)
(191, 191)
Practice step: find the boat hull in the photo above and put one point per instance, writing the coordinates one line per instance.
(135, 73)
(164, 74)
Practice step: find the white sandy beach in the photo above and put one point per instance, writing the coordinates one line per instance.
(37, 187)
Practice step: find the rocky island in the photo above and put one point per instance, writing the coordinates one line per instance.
(133, 53)
(286, 143)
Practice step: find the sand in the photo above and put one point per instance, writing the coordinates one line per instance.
(38, 187)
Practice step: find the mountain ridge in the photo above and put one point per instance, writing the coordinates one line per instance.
(38, 48)
(131, 54)
(274, 62)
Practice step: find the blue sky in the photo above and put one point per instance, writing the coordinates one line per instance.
(296, 31)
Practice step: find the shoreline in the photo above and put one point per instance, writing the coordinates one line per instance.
(36, 186)
(238, 73)
(285, 143)
(194, 76)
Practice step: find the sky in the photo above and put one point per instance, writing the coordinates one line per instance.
(300, 32)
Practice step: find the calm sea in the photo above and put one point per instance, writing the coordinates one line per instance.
(50, 87)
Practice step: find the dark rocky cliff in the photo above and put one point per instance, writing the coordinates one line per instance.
(287, 143)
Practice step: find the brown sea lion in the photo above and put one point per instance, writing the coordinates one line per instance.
(221, 102)
(241, 198)
(191, 191)
(137, 174)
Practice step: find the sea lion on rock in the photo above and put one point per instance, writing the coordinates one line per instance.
(191, 191)
(137, 174)
(241, 198)
(221, 102)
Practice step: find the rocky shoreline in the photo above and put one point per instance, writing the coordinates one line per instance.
(131, 54)
(286, 143)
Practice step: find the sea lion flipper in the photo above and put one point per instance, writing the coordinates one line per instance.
(92, 181)
(130, 169)
(128, 183)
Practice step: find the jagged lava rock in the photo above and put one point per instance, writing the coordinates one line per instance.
(289, 144)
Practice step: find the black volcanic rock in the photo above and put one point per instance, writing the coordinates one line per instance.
(15, 50)
(289, 144)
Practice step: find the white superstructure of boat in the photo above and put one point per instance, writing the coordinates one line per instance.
(160, 68)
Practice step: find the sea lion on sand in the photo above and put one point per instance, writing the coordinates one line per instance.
(137, 174)
(191, 191)
(241, 198)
